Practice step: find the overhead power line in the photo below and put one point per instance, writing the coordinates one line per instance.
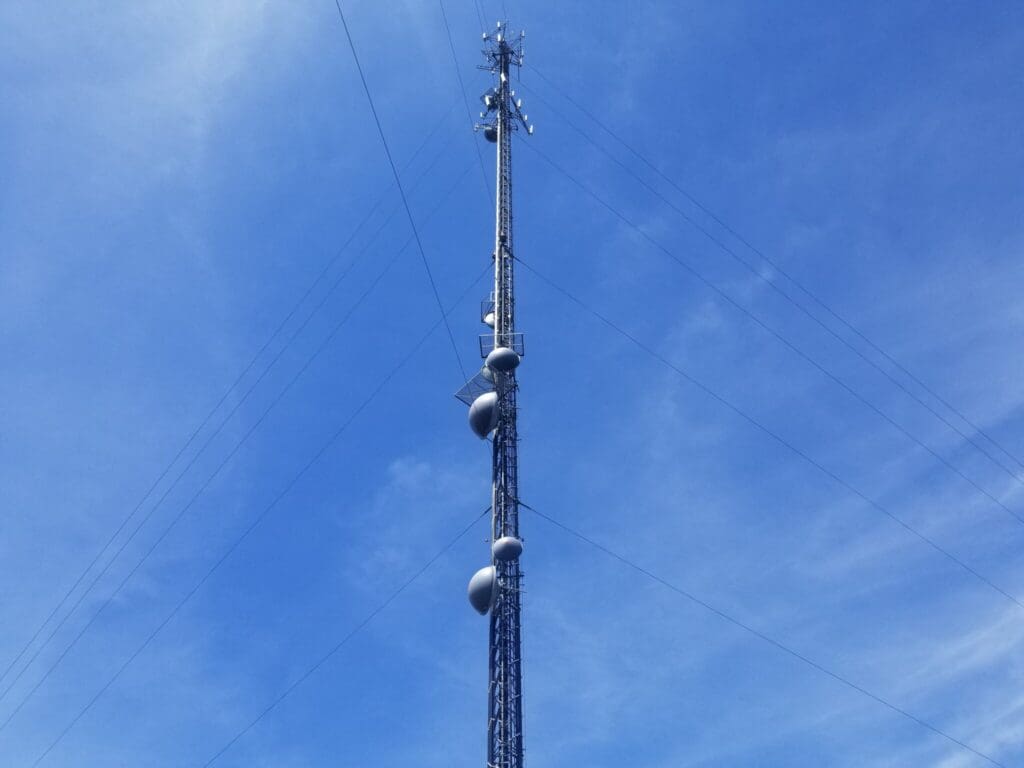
(814, 297)
(309, 361)
(772, 434)
(777, 644)
(312, 668)
(401, 191)
(781, 338)
(406, 357)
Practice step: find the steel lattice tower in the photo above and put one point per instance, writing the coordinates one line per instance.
(491, 395)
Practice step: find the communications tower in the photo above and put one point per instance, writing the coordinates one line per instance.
(491, 397)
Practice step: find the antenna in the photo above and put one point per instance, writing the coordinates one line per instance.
(491, 396)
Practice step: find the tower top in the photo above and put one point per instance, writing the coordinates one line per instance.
(503, 34)
(503, 50)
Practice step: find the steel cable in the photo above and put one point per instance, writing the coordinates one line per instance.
(202, 425)
(337, 647)
(309, 360)
(777, 644)
(803, 288)
(774, 333)
(260, 517)
(401, 191)
(772, 434)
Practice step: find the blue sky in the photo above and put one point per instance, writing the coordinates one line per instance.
(176, 176)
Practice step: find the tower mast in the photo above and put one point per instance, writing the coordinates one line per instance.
(496, 589)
